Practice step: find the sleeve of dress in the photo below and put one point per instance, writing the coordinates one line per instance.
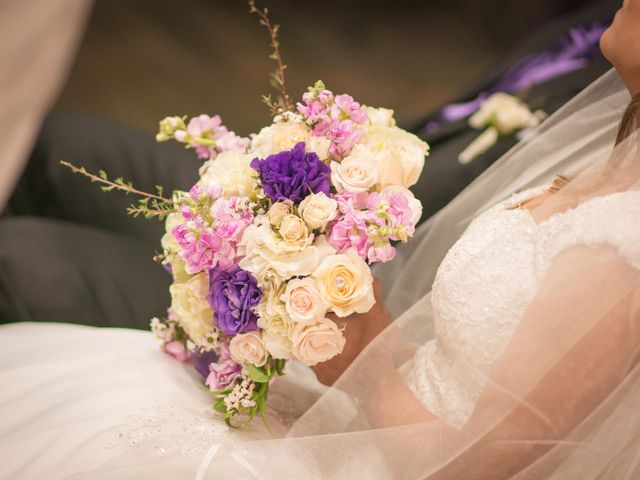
(37, 43)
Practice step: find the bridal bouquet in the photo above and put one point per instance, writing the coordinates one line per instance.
(278, 233)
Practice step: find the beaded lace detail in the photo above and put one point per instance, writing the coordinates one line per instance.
(171, 430)
(487, 280)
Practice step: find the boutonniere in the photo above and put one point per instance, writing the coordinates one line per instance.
(500, 115)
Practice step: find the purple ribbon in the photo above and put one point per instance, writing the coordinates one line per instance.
(574, 51)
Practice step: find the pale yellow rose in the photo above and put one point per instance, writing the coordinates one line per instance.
(358, 172)
(294, 231)
(169, 243)
(345, 283)
(318, 342)
(191, 308)
(303, 301)
(317, 210)
(248, 349)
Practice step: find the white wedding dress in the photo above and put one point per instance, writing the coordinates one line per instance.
(75, 397)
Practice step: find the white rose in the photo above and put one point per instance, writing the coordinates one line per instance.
(505, 112)
(278, 211)
(248, 349)
(345, 283)
(279, 346)
(303, 301)
(263, 250)
(190, 306)
(382, 117)
(358, 172)
(294, 232)
(400, 155)
(317, 210)
(231, 171)
(318, 342)
(279, 137)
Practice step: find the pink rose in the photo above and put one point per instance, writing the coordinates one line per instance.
(222, 374)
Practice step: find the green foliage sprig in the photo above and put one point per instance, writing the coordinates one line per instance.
(150, 205)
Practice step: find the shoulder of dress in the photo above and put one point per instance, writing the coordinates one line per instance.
(612, 219)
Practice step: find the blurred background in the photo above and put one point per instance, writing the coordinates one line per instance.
(142, 60)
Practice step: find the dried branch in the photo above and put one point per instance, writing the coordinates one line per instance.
(277, 77)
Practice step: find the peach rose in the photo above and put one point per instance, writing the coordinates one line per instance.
(318, 342)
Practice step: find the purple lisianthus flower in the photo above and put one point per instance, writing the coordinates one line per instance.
(202, 360)
(233, 295)
(293, 174)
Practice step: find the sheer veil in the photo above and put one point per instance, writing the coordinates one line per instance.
(561, 400)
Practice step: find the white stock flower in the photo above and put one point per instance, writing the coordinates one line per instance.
(232, 171)
(318, 342)
(278, 137)
(382, 117)
(317, 210)
(357, 172)
(190, 306)
(248, 349)
(264, 250)
(303, 301)
(400, 155)
(169, 243)
(345, 283)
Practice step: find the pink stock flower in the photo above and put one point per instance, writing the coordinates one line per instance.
(384, 253)
(223, 372)
(338, 118)
(350, 231)
(209, 137)
(231, 218)
(178, 351)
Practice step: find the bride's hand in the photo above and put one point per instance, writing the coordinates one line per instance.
(359, 330)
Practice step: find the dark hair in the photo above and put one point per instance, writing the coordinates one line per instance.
(630, 120)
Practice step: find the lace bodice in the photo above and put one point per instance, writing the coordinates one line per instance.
(486, 281)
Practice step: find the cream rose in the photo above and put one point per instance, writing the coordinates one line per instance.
(248, 349)
(191, 308)
(400, 155)
(278, 211)
(294, 232)
(318, 342)
(231, 171)
(303, 301)
(345, 283)
(320, 146)
(279, 346)
(317, 210)
(280, 136)
(358, 172)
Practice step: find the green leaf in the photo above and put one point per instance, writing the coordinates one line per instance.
(257, 374)
(280, 363)
(220, 407)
